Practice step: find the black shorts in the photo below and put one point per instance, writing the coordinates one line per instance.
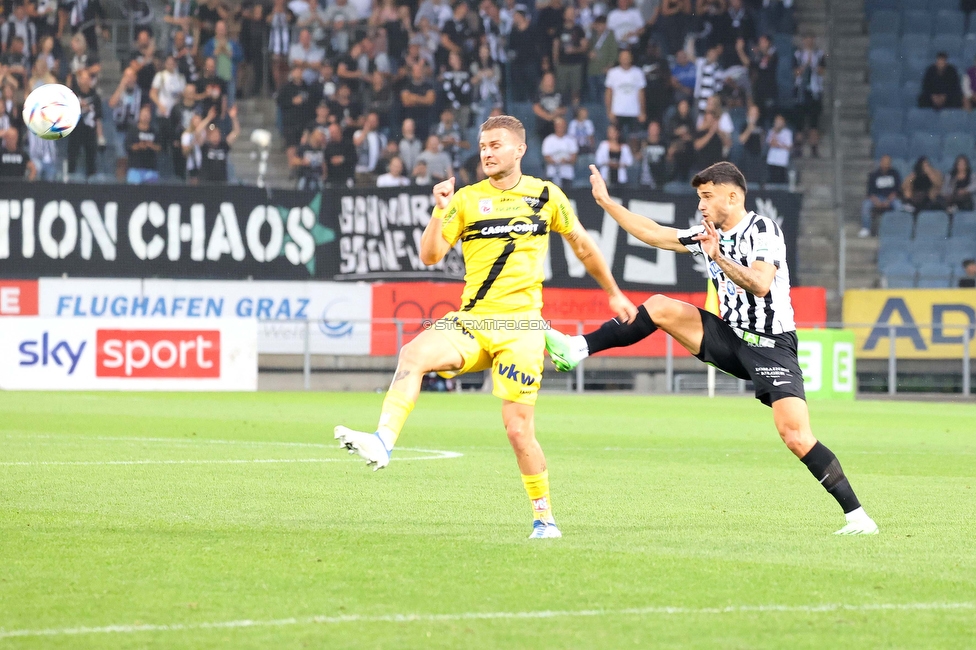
(769, 361)
(808, 114)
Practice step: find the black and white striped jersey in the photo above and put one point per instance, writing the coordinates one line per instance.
(755, 238)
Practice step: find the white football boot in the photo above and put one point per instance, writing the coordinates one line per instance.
(368, 445)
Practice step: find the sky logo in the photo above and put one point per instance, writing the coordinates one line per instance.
(45, 352)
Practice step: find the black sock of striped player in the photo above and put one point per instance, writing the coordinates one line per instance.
(825, 467)
(614, 334)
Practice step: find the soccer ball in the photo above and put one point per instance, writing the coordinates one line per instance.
(52, 111)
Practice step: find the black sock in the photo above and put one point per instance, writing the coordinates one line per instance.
(825, 467)
(614, 334)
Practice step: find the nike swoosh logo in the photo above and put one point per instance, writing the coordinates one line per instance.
(780, 383)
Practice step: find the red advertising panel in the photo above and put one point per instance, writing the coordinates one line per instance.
(18, 297)
(415, 302)
(160, 354)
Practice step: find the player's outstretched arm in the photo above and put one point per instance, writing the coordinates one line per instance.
(644, 229)
(589, 254)
(756, 278)
(433, 245)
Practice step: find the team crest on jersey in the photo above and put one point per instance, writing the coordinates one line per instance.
(531, 201)
(484, 206)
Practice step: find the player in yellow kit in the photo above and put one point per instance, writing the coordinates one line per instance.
(503, 224)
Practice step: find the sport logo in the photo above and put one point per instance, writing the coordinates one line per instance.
(540, 505)
(158, 354)
(484, 206)
(531, 201)
(513, 373)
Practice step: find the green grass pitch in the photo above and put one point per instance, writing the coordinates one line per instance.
(201, 521)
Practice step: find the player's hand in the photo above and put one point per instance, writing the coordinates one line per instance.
(443, 192)
(600, 193)
(709, 240)
(623, 308)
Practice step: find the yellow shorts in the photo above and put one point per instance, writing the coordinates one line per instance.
(512, 345)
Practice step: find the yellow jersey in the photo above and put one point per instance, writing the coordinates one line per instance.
(504, 239)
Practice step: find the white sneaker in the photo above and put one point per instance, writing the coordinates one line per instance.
(368, 445)
(858, 523)
(544, 530)
(863, 232)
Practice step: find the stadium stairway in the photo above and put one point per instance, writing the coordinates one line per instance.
(818, 245)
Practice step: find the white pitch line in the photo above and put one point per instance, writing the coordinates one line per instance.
(472, 616)
(437, 454)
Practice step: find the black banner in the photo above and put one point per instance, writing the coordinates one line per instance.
(236, 232)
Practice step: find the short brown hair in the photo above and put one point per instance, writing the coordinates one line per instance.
(506, 122)
(721, 173)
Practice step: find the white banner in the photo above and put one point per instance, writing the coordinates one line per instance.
(338, 312)
(128, 354)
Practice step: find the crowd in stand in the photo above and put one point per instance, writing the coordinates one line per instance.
(391, 92)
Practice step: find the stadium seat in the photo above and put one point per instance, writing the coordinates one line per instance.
(899, 276)
(886, 39)
(882, 57)
(903, 166)
(916, 22)
(886, 72)
(886, 120)
(883, 5)
(931, 225)
(951, 44)
(964, 225)
(959, 249)
(934, 275)
(895, 225)
(914, 42)
(914, 63)
(925, 144)
(892, 144)
(910, 91)
(894, 253)
(955, 144)
(953, 120)
(939, 6)
(922, 120)
(950, 23)
(885, 22)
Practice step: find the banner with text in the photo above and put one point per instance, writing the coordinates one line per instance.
(926, 323)
(252, 233)
(338, 313)
(128, 354)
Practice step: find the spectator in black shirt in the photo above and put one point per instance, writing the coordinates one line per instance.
(295, 104)
(208, 13)
(308, 160)
(346, 108)
(17, 61)
(752, 139)
(215, 150)
(657, 74)
(88, 134)
(743, 27)
(143, 60)
(211, 90)
(708, 144)
(14, 162)
(456, 36)
(417, 97)
(524, 55)
(549, 18)
(920, 188)
(569, 55)
(82, 58)
(762, 64)
(340, 158)
(548, 106)
(143, 146)
(884, 193)
(654, 159)
(253, 37)
(941, 87)
(186, 61)
(456, 90)
(969, 280)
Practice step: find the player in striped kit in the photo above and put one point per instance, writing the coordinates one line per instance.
(755, 338)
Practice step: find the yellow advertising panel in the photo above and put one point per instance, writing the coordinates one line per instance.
(928, 323)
